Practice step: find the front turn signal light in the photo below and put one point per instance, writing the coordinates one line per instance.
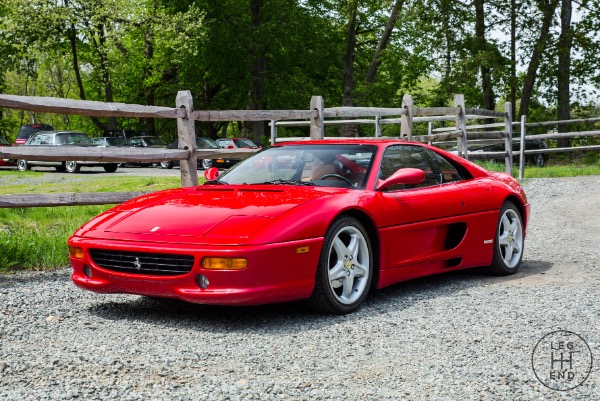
(75, 252)
(224, 263)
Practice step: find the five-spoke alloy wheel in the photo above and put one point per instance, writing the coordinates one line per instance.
(345, 268)
(509, 241)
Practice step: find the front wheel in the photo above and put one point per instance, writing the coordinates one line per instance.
(509, 241)
(166, 165)
(72, 167)
(22, 165)
(345, 269)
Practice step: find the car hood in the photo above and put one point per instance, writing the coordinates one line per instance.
(211, 214)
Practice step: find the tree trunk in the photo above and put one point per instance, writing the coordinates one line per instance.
(487, 89)
(112, 121)
(259, 67)
(513, 57)
(383, 41)
(348, 74)
(72, 35)
(563, 72)
(147, 73)
(549, 6)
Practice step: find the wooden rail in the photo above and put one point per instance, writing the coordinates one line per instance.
(316, 117)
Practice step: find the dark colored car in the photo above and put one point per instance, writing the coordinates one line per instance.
(5, 162)
(52, 139)
(234, 143)
(124, 133)
(144, 142)
(27, 130)
(107, 141)
(201, 143)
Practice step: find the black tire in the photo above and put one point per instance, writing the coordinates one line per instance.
(207, 163)
(62, 168)
(509, 241)
(166, 165)
(72, 167)
(22, 165)
(538, 160)
(110, 168)
(344, 294)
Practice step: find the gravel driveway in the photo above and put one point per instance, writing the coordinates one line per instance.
(458, 336)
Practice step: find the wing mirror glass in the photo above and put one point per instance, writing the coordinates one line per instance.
(403, 176)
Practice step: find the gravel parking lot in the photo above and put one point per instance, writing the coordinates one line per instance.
(458, 336)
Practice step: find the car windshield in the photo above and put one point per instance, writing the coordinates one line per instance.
(155, 141)
(72, 137)
(116, 141)
(328, 165)
(244, 143)
(205, 143)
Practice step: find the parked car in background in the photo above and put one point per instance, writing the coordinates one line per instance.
(107, 141)
(201, 143)
(5, 162)
(27, 130)
(234, 143)
(144, 142)
(124, 133)
(537, 159)
(52, 139)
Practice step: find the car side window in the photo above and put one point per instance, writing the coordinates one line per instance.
(396, 157)
(447, 170)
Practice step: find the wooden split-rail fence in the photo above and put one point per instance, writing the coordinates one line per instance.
(316, 118)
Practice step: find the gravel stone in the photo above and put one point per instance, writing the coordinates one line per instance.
(458, 336)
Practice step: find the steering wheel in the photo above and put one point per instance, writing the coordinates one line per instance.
(339, 177)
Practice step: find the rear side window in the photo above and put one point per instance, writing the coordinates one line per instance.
(447, 170)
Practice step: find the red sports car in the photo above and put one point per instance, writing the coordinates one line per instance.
(326, 221)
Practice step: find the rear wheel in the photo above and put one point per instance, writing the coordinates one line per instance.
(72, 167)
(509, 241)
(110, 168)
(22, 165)
(166, 165)
(345, 268)
(62, 168)
(538, 160)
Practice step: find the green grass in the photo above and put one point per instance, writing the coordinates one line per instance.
(550, 171)
(36, 238)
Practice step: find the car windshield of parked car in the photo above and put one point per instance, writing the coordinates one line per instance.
(205, 143)
(155, 141)
(244, 143)
(72, 138)
(115, 141)
(331, 165)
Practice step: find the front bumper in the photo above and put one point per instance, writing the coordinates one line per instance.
(275, 272)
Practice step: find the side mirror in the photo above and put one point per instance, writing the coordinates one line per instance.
(211, 173)
(403, 176)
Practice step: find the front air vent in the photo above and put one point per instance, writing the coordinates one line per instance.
(154, 264)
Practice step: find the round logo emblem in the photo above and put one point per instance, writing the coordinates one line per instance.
(562, 360)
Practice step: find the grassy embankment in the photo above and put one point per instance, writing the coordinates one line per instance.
(35, 238)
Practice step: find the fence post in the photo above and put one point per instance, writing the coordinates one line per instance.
(461, 124)
(186, 136)
(378, 126)
(406, 121)
(429, 132)
(522, 150)
(317, 130)
(273, 132)
(508, 132)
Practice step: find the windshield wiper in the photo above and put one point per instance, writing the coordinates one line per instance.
(287, 182)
